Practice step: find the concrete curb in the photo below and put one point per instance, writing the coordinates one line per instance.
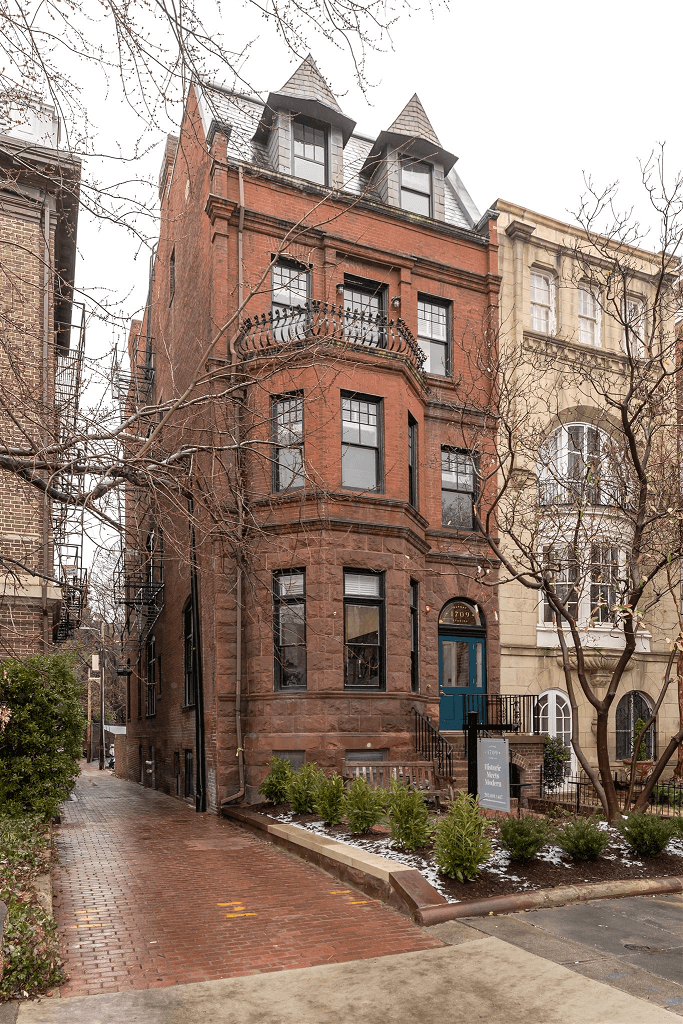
(408, 890)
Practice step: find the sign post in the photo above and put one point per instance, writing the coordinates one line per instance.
(493, 756)
(472, 720)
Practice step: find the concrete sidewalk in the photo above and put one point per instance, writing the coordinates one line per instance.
(480, 979)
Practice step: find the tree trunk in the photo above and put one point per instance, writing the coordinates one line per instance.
(610, 802)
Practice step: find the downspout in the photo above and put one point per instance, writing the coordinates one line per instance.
(44, 389)
(200, 783)
(238, 586)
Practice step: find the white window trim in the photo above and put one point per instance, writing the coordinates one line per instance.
(556, 476)
(552, 299)
(639, 302)
(596, 342)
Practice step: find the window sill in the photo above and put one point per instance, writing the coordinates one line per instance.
(187, 707)
(364, 689)
(600, 637)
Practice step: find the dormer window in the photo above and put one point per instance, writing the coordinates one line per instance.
(309, 152)
(416, 187)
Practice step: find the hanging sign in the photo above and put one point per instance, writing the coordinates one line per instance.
(493, 774)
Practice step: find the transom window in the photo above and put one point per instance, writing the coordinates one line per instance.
(289, 590)
(416, 187)
(360, 442)
(432, 334)
(589, 317)
(457, 489)
(363, 631)
(578, 465)
(310, 152)
(542, 302)
(287, 417)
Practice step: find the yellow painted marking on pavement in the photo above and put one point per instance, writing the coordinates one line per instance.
(103, 924)
(235, 903)
(338, 892)
(241, 915)
(352, 903)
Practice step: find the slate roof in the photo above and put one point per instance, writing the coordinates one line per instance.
(308, 84)
(414, 122)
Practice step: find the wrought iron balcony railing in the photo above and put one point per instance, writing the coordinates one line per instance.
(298, 326)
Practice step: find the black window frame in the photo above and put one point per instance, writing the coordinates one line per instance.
(301, 269)
(189, 660)
(449, 449)
(632, 705)
(447, 306)
(320, 126)
(355, 396)
(188, 789)
(412, 461)
(280, 601)
(365, 330)
(151, 677)
(414, 637)
(298, 478)
(379, 602)
(406, 161)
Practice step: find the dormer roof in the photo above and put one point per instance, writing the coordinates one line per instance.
(413, 135)
(306, 93)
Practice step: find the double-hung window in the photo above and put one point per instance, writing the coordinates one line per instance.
(578, 464)
(604, 581)
(291, 289)
(458, 478)
(635, 344)
(309, 152)
(542, 302)
(589, 317)
(289, 598)
(416, 187)
(287, 422)
(363, 630)
(189, 640)
(364, 312)
(432, 334)
(412, 461)
(562, 569)
(361, 427)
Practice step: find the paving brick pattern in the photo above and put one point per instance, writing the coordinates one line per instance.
(148, 894)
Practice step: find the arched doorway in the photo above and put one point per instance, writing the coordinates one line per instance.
(554, 717)
(462, 659)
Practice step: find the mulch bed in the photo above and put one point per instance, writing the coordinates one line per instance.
(501, 877)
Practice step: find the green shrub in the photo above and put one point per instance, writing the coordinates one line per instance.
(677, 825)
(642, 749)
(363, 807)
(408, 817)
(556, 757)
(582, 839)
(646, 834)
(30, 948)
(462, 845)
(523, 837)
(275, 786)
(302, 788)
(329, 799)
(41, 743)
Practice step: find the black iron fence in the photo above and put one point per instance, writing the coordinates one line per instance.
(431, 745)
(577, 792)
(503, 712)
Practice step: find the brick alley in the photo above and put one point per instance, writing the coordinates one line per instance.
(147, 893)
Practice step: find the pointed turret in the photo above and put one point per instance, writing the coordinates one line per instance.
(307, 94)
(413, 135)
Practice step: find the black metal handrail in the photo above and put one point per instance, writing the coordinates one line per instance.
(322, 321)
(503, 712)
(431, 745)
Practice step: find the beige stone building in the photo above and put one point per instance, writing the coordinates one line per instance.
(573, 324)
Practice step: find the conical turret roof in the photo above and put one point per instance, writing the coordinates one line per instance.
(306, 93)
(414, 123)
(413, 135)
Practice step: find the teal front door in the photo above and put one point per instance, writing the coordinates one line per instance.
(462, 670)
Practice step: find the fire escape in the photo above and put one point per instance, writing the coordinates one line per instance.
(139, 573)
(67, 522)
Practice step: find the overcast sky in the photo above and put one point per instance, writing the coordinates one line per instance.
(528, 95)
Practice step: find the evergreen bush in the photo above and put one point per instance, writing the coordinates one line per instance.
(42, 740)
(582, 839)
(523, 837)
(329, 799)
(302, 788)
(646, 834)
(461, 845)
(556, 757)
(275, 786)
(408, 817)
(363, 807)
(642, 749)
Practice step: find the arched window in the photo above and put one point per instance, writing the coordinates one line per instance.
(461, 613)
(577, 466)
(633, 706)
(554, 716)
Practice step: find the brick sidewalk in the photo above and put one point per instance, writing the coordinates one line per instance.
(147, 893)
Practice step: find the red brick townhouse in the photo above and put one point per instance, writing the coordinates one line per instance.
(323, 590)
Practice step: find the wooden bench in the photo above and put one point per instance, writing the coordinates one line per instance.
(381, 774)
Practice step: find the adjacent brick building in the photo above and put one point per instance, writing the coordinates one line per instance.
(322, 293)
(39, 186)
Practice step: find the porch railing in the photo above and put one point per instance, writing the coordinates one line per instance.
(503, 712)
(431, 745)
